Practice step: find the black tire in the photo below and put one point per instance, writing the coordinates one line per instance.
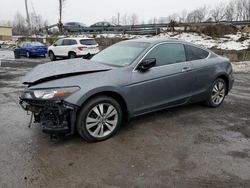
(28, 54)
(88, 108)
(210, 102)
(72, 55)
(52, 56)
(16, 55)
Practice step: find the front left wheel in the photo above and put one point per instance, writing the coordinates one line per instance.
(52, 56)
(99, 119)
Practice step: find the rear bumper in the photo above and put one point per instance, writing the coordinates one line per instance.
(54, 117)
(86, 52)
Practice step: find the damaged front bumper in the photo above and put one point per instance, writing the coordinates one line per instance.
(55, 117)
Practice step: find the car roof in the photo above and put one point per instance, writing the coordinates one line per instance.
(77, 38)
(154, 41)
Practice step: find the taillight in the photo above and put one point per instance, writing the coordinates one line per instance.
(82, 47)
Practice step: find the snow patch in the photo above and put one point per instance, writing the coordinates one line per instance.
(241, 66)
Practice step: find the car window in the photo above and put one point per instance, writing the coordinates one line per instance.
(194, 53)
(37, 44)
(58, 42)
(88, 42)
(121, 54)
(21, 45)
(73, 42)
(68, 42)
(65, 42)
(25, 45)
(169, 53)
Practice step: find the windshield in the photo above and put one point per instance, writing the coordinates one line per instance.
(121, 54)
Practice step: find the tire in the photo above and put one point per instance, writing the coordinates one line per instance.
(16, 55)
(52, 56)
(95, 128)
(72, 55)
(217, 93)
(28, 54)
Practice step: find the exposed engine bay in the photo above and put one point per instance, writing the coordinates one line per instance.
(54, 117)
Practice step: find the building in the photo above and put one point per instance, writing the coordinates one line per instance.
(5, 33)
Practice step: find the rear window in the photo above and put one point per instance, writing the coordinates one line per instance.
(67, 42)
(194, 53)
(36, 44)
(88, 42)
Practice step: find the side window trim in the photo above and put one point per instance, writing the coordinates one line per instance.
(152, 48)
(208, 56)
(181, 44)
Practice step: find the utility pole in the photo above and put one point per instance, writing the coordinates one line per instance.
(118, 18)
(27, 14)
(60, 24)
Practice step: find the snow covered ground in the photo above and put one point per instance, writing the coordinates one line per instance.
(228, 42)
(6, 54)
(241, 67)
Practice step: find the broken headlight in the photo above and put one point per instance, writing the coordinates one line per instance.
(54, 93)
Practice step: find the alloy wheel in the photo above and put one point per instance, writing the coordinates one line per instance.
(101, 120)
(218, 93)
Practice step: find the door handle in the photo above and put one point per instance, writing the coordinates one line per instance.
(185, 69)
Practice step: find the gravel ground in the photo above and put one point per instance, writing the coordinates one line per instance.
(191, 146)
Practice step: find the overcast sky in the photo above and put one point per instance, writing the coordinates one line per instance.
(90, 11)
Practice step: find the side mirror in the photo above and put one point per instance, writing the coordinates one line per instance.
(146, 64)
(54, 44)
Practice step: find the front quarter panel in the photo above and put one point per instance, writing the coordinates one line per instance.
(90, 84)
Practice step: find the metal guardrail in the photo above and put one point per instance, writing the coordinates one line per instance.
(146, 29)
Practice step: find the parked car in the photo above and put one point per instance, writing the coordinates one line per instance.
(29, 49)
(128, 79)
(103, 24)
(73, 47)
(74, 27)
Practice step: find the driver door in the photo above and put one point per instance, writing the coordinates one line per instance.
(169, 83)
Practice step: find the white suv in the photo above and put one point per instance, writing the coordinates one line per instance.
(73, 47)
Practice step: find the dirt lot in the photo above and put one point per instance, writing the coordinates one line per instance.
(191, 146)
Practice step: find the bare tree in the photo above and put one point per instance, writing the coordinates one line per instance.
(114, 20)
(134, 19)
(198, 15)
(163, 20)
(19, 27)
(183, 16)
(37, 22)
(124, 19)
(230, 11)
(173, 17)
(218, 12)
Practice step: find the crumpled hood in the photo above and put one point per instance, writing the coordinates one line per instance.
(62, 69)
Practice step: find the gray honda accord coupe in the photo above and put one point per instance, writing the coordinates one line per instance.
(131, 78)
